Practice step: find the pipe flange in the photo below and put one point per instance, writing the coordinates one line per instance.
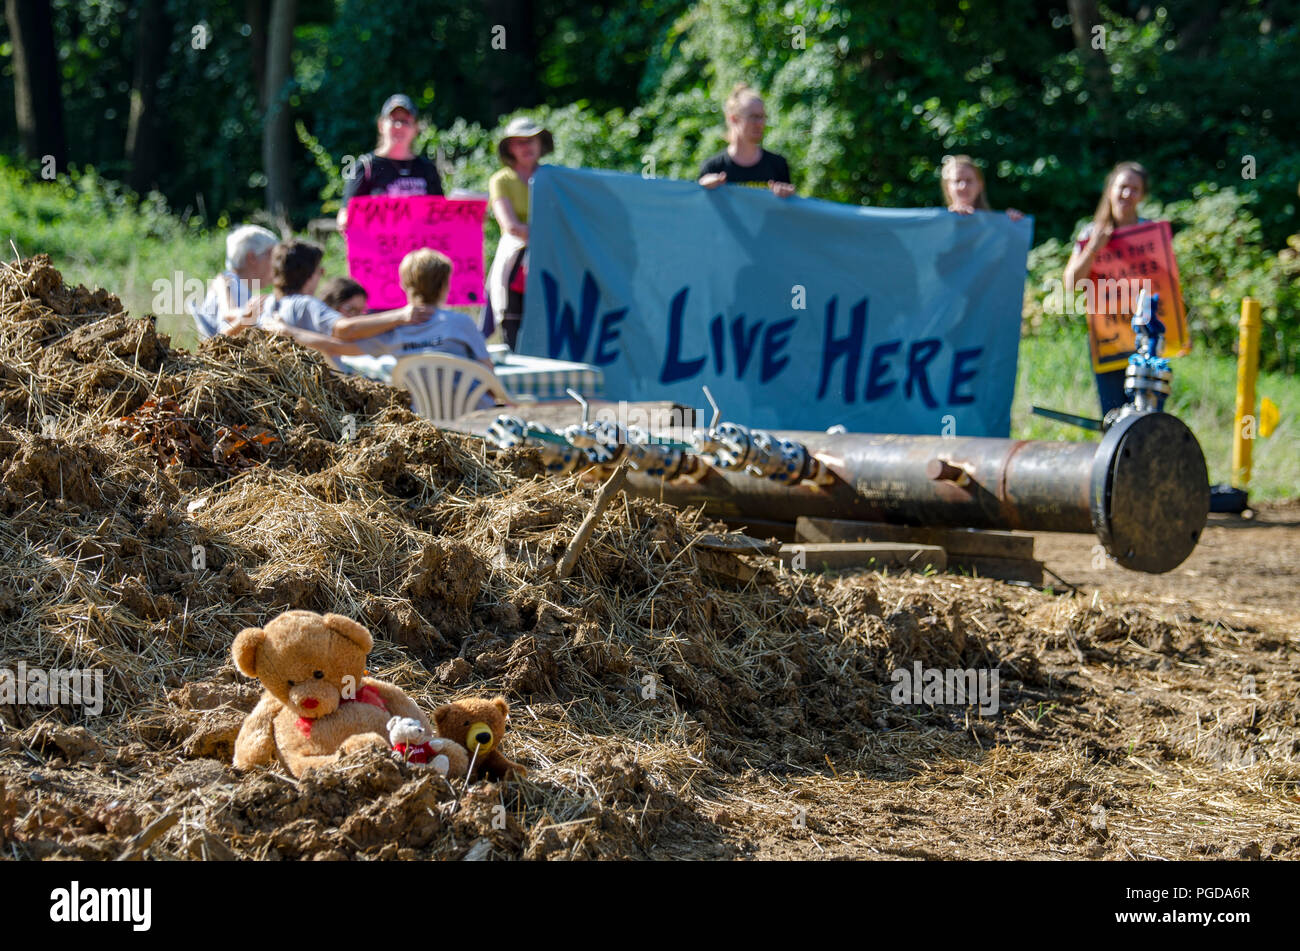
(507, 432)
(734, 446)
(1150, 491)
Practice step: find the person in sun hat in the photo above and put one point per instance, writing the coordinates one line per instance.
(392, 168)
(522, 146)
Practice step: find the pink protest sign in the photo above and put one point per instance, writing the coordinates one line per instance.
(381, 230)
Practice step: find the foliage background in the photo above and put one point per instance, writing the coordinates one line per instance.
(865, 99)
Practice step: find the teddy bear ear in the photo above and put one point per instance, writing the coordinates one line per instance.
(392, 721)
(351, 630)
(441, 713)
(500, 704)
(244, 650)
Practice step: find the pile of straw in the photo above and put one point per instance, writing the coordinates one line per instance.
(138, 542)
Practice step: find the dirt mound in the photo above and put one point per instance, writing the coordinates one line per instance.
(154, 501)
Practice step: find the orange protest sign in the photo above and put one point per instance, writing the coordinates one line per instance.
(1136, 257)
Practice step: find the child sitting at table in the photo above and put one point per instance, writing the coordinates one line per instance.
(425, 276)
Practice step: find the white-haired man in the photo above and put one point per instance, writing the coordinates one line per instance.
(248, 270)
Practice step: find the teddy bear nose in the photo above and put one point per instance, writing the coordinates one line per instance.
(482, 738)
(311, 703)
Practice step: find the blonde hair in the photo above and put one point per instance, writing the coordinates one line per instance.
(425, 275)
(950, 163)
(741, 93)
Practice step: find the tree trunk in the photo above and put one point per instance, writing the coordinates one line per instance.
(510, 73)
(38, 99)
(276, 129)
(255, 11)
(143, 143)
(1084, 19)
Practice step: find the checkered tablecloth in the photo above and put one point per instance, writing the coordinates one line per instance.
(523, 377)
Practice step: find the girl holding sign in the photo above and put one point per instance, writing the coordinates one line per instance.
(1126, 187)
(392, 168)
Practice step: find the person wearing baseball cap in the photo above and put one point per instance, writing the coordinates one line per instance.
(521, 149)
(392, 168)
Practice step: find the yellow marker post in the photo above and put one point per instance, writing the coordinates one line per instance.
(1247, 369)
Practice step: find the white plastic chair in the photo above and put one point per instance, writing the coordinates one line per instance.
(443, 387)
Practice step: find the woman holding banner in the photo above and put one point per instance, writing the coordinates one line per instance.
(962, 184)
(521, 150)
(392, 168)
(1125, 188)
(745, 161)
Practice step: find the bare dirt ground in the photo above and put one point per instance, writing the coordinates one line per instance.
(664, 708)
(1150, 738)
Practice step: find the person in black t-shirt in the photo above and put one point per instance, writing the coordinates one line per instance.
(392, 168)
(745, 161)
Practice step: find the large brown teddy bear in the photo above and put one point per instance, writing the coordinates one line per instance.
(318, 703)
(479, 724)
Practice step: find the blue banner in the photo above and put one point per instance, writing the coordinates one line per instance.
(797, 313)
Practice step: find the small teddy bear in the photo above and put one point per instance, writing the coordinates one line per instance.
(478, 726)
(317, 703)
(415, 743)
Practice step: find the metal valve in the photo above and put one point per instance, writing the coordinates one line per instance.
(557, 455)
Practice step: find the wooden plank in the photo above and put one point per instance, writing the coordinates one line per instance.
(762, 528)
(956, 541)
(838, 555)
(1001, 569)
(738, 544)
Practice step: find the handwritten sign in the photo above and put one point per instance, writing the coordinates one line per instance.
(1136, 256)
(796, 313)
(382, 230)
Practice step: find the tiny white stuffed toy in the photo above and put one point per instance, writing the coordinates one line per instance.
(413, 744)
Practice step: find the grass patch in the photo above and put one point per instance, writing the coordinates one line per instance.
(1055, 373)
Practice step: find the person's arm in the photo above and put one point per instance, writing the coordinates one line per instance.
(235, 322)
(326, 344)
(503, 209)
(368, 325)
(781, 186)
(1079, 266)
(711, 176)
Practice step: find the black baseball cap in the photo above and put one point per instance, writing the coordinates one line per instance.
(398, 101)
